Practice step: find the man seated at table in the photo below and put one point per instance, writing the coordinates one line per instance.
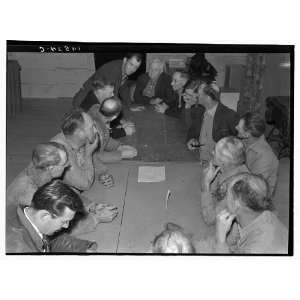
(173, 108)
(249, 206)
(228, 159)
(155, 87)
(103, 89)
(49, 161)
(80, 139)
(29, 228)
(216, 122)
(260, 158)
(110, 150)
(116, 72)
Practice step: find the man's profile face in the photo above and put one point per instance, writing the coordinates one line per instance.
(89, 128)
(56, 223)
(131, 65)
(177, 81)
(241, 129)
(202, 97)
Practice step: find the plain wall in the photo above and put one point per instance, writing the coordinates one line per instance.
(53, 75)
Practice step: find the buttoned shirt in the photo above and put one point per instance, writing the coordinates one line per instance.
(261, 160)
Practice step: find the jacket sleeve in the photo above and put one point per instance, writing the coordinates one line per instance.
(170, 96)
(233, 123)
(139, 98)
(195, 128)
(68, 243)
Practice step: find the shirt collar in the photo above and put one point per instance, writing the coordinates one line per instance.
(38, 239)
(212, 110)
(32, 224)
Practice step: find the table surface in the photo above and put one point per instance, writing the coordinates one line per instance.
(142, 212)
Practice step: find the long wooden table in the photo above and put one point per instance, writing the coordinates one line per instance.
(142, 211)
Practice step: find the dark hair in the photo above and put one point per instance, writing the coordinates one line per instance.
(72, 122)
(172, 235)
(47, 154)
(111, 107)
(101, 83)
(254, 123)
(54, 197)
(254, 192)
(211, 91)
(200, 68)
(138, 56)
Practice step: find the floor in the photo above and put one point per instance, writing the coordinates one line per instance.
(158, 138)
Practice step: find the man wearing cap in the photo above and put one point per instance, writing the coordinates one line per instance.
(216, 122)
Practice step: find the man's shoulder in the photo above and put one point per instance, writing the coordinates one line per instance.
(111, 65)
(226, 111)
(264, 151)
(17, 237)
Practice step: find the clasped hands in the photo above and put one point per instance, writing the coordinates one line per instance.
(103, 213)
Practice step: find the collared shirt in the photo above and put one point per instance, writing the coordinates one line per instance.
(45, 243)
(207, 143)
(212, 110)
(266, 234)
(261, 160)
(32, 224)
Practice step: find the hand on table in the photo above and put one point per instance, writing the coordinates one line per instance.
(138, 108)
(126, 123)
(161, 108)
(107, 180)
(193, 144)
(92, 248)
(127, 151)
(129, 129)
(105, 213)
(155, 101)
(224, 222)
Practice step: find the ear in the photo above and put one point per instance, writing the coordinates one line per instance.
(44, 215)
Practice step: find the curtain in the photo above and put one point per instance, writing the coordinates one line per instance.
(250, 99)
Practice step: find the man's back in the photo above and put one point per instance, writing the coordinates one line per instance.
(111, 71)
(261, 160)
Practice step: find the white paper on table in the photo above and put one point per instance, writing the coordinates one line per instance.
(151, 174)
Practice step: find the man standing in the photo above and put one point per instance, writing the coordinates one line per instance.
(216, 122)
(116, 72)
(52, 208)
(260, 158)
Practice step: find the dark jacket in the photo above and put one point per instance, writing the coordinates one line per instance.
(91, 100)
(225, 120)
(112, 71)
(21, 237)
(163, 90)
